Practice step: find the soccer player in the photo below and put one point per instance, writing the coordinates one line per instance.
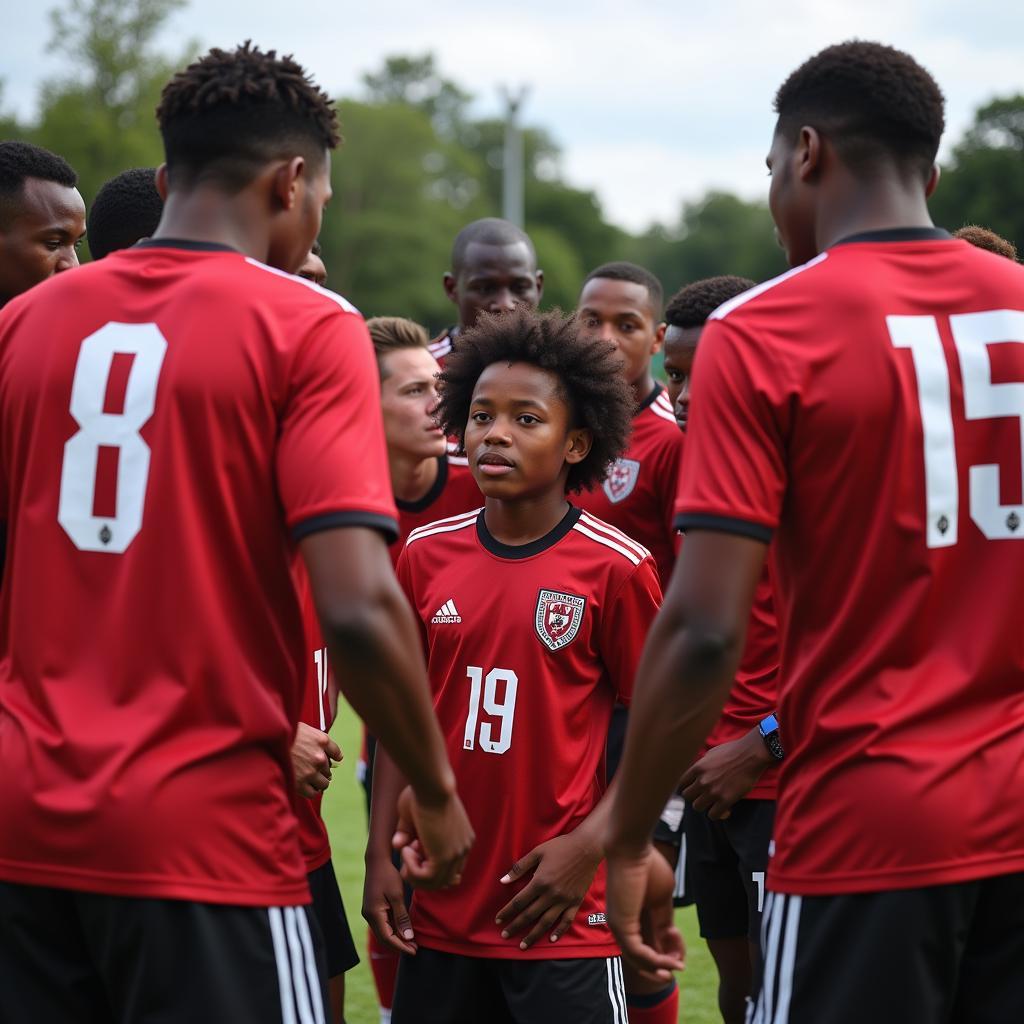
(984, 238)
(730, 790)
(313, 268)
(178, 418)
(621, 303)
(126, 209)
(862, 413)
(533, 613)
(494, 269)
(42, 217)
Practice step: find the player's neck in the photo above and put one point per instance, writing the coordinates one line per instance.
(642, 388)
(411, 476)
(872, 207)
(525, 520)
(207, 215)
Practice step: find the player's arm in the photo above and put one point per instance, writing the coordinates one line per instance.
(374, 649)
(685, 675)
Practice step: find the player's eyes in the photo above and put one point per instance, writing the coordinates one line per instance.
(674, 375)
(479, 417)
(528, 420)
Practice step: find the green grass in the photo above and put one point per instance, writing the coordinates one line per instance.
(346, 821)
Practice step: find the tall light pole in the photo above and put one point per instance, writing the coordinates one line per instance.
(512, 179)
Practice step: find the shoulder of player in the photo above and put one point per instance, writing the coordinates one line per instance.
(441, 531)
(659, 419)
(792, 285)
(285, 287)
(604, 541)
(440, 346)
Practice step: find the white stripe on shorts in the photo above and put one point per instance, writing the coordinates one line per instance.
(284, 969)
(618, 1015)
(311, 968)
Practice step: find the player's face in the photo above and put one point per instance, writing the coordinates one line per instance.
(408, 395)
(494, 279)
(680, 348)
(294, 231)
(620, 312)
(790, 203)
(313, 269)
(519, 438)
(41, 238)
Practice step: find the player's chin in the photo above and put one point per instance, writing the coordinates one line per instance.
(505, 487)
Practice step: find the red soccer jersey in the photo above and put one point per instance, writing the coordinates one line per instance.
(638, 496)
(866, 410)
(440, 346)
(172, 418)
(527, 649)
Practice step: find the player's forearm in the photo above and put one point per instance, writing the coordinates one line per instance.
(682, 683)
(386, 784)
(594, 826)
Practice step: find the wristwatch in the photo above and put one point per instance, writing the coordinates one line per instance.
(769, 730)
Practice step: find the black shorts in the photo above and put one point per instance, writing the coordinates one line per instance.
(727, 861)
(945, 953)
(92, 959)
(446, 988)
(339, 950)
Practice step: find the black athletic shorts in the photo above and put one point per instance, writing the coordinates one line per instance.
(446, 988)
(94, 959)
(339, 950)
(945, 954)
(727, 861)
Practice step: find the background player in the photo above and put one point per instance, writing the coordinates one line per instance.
(42, 217)
(984, 238)
(524, 676)
(126, 209)
(494, 269)
(847, 412)
(313, 268)
(730, 790)
(146, 796)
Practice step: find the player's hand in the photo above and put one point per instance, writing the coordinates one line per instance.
(661, 952)
(312, 754)
(725, 774)
(563, 869)
(384, 905)
(657, 918)
(434, 840)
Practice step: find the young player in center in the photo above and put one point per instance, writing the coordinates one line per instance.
(532, 614)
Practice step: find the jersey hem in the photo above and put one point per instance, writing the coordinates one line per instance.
(293, 894)
(905, 878)
(543, 950)
(317, 862)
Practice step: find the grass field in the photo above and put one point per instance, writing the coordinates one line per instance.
(346, 820)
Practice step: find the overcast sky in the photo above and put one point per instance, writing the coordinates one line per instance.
(653, 102)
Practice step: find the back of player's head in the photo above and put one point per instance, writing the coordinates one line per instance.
(393, 333)
(587, 368)
(620, 270)
(20, 161)
(126, 209)
(983, 238)
(230, 113)
(488, 231)
(872, 102)
(694, 303)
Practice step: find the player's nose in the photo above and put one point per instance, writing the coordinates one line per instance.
(504, 301)
(67, 260)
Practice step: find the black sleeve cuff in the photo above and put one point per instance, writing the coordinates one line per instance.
(332, 520)
(723, 524)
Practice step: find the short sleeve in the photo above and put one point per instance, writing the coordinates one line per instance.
(331, 460)
(625, 624)
(405, 574)
(734, 473)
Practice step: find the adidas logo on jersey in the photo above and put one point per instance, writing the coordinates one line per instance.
(445, 614)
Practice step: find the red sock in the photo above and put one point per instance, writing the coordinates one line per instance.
(660, 1008)
(384, 964)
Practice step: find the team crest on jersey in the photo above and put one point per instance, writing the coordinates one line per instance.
(558, 618)
(621, 479)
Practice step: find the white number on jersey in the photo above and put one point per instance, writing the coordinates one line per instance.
(120, 431)
(503, 709)
(972, 334)
(323, 676)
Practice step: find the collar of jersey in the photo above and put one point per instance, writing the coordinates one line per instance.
(898, 235)
(433, 494)
(535, 547)
(192, 244)
(649, 399)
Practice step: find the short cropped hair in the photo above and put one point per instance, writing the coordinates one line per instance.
(230, 113)
(870, 100)
(983, 238)
(588, 369)
(393, 333)
(488, 231)
(620, 270)
(20, 161)
(126, 209)
(694, 303)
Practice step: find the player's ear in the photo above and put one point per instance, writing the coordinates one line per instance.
(540, 284)
(449, 287)
(579, 441)
(659, 338)
(933, 181)
(161, 181)
(285, 183)
(808, 152)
